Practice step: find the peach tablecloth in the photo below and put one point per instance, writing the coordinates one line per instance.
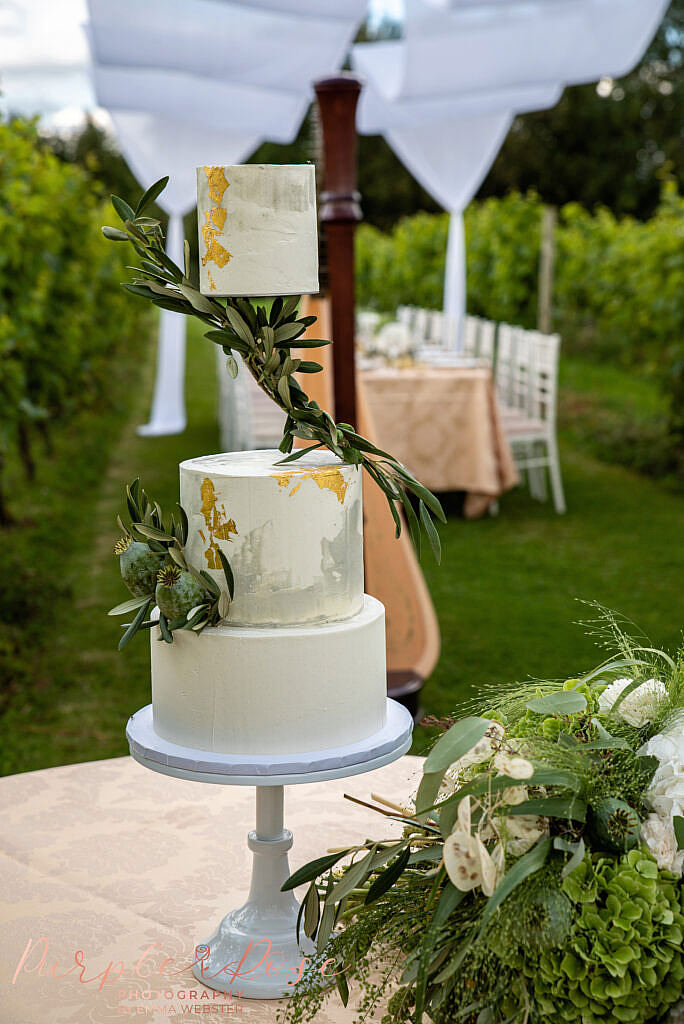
(131, 868)
(444, 424)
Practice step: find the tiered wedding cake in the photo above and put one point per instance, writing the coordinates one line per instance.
(299, 663)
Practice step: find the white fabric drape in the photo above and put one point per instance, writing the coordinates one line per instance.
(153, 146)
(452, 171)
(167, 415)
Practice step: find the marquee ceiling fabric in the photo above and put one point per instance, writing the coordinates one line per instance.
(376, 116)
(225, 40)
(500, 46)
(215, 104)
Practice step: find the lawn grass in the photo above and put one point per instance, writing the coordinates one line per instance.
(505, 593)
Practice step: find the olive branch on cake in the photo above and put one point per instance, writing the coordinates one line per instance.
(264, 339)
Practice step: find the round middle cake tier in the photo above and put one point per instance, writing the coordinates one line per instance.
(293, 533)
(260, 690)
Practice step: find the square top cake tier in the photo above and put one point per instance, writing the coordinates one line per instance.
(257, 229)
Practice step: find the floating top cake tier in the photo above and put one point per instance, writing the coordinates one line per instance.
(257, 229)
(293, 533)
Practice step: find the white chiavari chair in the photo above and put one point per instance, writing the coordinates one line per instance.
(530, 417)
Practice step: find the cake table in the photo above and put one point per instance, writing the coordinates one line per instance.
(256, 944)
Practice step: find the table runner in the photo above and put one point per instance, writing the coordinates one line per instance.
(133, 868)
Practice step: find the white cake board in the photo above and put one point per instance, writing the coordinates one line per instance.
(254, 949)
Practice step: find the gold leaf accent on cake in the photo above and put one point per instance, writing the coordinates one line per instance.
(212, 283)
(215, 252)
(219, 526)
(218, 183)
(218, 216)
(327, 478)
(215, 220)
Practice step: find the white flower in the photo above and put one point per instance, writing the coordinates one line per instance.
(481, 752)
(523, 831)
(513, 766)
(665, 795)
(466, 858)
(640, 706)
(659, 836)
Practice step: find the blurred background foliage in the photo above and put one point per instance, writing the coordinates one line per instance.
(62, 324)
(618, 294)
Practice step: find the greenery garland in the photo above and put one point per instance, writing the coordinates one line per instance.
(264, 341)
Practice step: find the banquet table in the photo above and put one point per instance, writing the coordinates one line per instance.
(112, 874)
(444, 424)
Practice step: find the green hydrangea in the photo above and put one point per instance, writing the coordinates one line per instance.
(623, 958)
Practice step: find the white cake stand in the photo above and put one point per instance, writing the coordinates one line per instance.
(254, 950)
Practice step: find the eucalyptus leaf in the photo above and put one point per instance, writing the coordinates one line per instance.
(570, 808)
(456, 742)
(562, 702)
(290, 305)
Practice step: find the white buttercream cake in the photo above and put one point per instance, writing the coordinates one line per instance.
(299, 663)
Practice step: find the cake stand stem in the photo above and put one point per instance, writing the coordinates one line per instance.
(254, 952)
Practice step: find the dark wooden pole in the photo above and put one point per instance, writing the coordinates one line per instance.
(340, 213)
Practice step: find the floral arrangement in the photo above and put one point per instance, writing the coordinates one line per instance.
(539, 874)
(155, 568)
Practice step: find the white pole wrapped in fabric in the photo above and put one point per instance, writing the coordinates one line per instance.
(168, 404)
(153, 146)
(450, 161)
(455, 272)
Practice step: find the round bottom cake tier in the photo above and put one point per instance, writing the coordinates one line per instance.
(272, 690)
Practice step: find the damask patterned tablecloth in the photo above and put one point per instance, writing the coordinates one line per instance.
(111, 874)
(444, 424)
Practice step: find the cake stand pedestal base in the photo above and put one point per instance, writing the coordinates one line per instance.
(254, 952)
